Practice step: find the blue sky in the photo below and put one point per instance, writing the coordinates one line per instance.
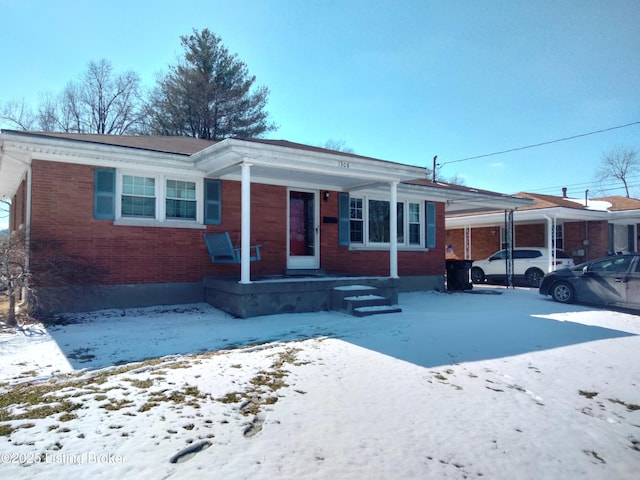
(400, 80)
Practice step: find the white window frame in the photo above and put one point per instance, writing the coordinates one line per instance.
(160, 219)
(155, 194)
(405, 245)
(559, 228)
(421, 225)
(193, 200)
(359, 220)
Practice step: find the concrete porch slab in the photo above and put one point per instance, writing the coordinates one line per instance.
(284, 294)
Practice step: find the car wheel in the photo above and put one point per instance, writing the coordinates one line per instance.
(534, 277)
(477, 275)
(562, 292)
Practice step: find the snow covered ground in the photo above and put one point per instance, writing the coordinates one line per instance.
(500, 384)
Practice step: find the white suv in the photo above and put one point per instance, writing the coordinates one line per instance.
(529, 264)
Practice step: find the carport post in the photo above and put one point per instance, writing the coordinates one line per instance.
(552, 224)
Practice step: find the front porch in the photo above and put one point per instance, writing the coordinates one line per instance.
(297, 294)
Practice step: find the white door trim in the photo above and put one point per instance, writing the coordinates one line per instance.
(304, 261)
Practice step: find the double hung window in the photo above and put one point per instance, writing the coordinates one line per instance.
(138, 196)
(162, 198)
(370, 217)
(181, 200)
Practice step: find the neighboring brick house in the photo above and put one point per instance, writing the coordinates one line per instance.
(134, 210)
(583, 228)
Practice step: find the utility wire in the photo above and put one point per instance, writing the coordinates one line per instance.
(591, 183)
(540, 144)
(605, 184)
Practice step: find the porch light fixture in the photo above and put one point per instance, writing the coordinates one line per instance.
(325, 195)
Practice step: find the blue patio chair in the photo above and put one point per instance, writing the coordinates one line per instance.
(222, 251)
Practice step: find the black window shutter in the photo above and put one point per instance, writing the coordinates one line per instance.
(212, 202)
(344, 220)
(430, 224)
(104, 194)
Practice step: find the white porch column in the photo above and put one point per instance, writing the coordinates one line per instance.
(245, 228)
(393, 230)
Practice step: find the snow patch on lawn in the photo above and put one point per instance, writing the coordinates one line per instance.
(456, 385)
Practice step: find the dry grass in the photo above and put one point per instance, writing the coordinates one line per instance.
(4, 305)
(22, 317)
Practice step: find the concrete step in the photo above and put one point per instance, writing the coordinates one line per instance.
(369, 300)
(306, 272)
(375, 310)
(361, 300)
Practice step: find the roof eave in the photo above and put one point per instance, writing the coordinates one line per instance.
(522, 216)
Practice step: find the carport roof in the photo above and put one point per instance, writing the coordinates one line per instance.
(561, 208)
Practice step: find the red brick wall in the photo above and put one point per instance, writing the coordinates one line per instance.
(597, 233)
(573, 233)
(484, 243)
(62, 215)
(598, 240)
(486, 240)
(268, 226)
(530, 235)
(335, 259)
(62, 212)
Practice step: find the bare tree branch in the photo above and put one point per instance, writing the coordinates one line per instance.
(619, 164)
(19, 115)
(13, 271)
(99, 102)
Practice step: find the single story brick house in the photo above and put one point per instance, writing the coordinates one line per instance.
(584, 228)
(134, 210)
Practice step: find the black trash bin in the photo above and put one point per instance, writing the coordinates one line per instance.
(458, 275)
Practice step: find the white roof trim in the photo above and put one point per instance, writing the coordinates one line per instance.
(526, 216)
(270, 164)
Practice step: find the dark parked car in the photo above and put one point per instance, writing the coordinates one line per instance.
(611, 281)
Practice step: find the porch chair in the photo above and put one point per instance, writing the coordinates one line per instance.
(222, 251)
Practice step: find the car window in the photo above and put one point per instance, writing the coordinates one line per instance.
(612, 265)
(501, 255)
(526, 254)
(561, 254)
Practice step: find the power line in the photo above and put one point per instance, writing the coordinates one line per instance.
(540, 144)
(595, 189)
(592, 183)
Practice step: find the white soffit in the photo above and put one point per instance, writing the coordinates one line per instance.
(291, 166)
(526, 216)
